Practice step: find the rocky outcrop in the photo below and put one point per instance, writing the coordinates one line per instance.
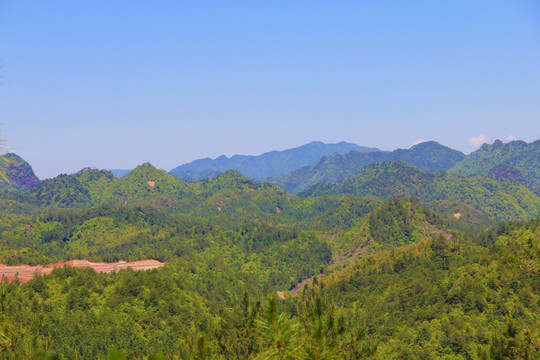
(15, 171)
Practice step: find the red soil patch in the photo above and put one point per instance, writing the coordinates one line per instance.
(26, 272)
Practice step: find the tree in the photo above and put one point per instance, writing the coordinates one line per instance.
(281, 336)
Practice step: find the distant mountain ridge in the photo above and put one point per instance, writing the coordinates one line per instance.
(517, 161)
(479, 200)
(264, 165)
(455, 193)
(427, 156)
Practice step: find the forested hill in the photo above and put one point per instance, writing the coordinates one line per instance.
(517, 161)
(428, 156)
(232, 193)
(90, 187)
(398, 260)
(408, 287)
(16, 173)
(435, 299)
(229, 194)
(265, 165)
(498, 200)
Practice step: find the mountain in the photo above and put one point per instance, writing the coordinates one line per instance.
(232, 194)
(147, 185)
(428, 156)
(16, 173)
(90, 187)
(395, 222)
(517, 161)
(85, 188)
(228, 194)
(265, 165)
(355, 276)
(450, 192)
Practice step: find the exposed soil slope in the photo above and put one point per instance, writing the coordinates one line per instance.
(26, 272)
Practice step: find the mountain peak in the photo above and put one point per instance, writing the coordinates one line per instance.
(146, 171)
(148, 167)
(497, 144)
(425, 144)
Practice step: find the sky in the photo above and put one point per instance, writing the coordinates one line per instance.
(114, 84)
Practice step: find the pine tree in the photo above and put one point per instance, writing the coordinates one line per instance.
(237, 335)
(281, 336)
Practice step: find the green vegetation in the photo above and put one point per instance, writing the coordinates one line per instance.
(517, 161)
(376, 267)
(437, 297)
(448, 192)
(427, 156)
(443, 298)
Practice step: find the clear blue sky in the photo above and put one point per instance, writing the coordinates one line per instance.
(113, 84)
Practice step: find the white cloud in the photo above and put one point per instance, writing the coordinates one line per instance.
(510, 138)
(419, 141)
(477, 141)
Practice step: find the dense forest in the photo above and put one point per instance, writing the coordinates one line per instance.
(393, 263)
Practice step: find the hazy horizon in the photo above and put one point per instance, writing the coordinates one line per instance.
(230, 156)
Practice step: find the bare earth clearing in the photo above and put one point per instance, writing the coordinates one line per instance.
(25, 273)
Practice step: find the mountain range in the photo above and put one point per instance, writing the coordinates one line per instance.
(474, 201)
(490, 183)
(517, 161)
(448, 192)
(295, 170)
(264, 165)
(428, 156)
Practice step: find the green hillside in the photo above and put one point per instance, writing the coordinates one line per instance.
(85, 188)
(434, 295)
(428, 156)
(147, 185)
(394, 262)
(517, 161)
(90, 187)
(440, 298)
(498, 200)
